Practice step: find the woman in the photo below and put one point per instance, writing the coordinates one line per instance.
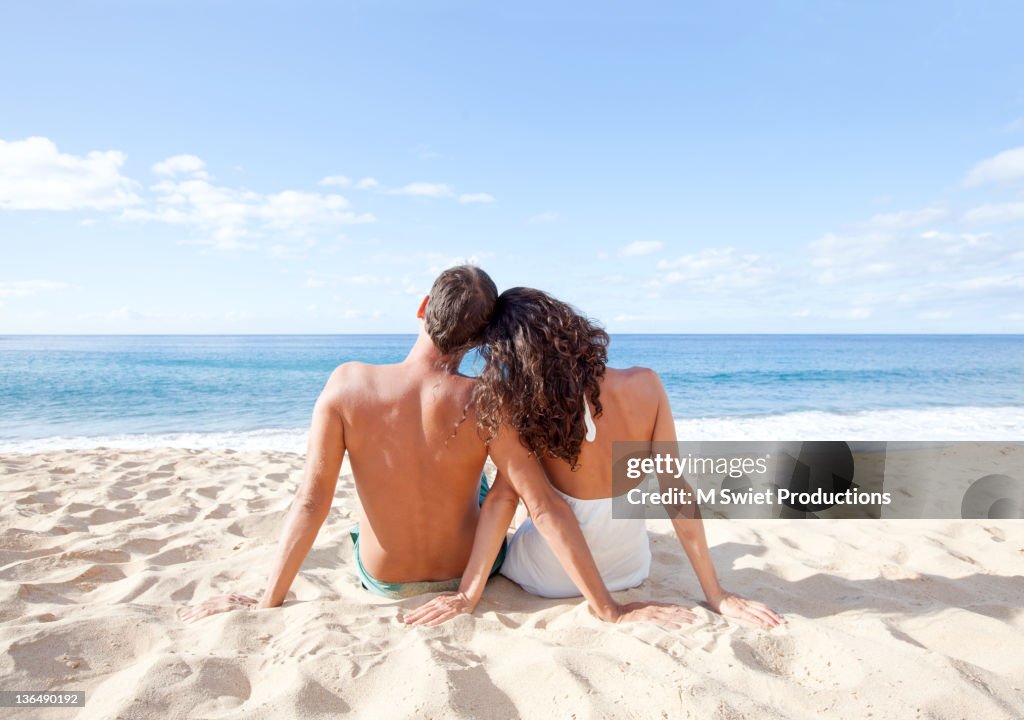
(545, 374)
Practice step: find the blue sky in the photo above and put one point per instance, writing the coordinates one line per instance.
(667, 167)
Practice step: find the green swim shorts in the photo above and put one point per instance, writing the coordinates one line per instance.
(399, 590)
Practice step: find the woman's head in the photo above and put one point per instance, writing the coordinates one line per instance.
(541, 358)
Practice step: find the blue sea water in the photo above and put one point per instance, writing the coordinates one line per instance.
(73, 390)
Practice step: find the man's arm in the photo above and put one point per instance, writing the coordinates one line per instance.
(305, 516)
(689, 529)
(312, 502)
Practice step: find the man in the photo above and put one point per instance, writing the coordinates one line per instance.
(417, 462)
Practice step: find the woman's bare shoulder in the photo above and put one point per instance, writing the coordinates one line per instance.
(640, 383)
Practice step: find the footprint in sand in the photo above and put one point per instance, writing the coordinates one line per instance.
(996, 534)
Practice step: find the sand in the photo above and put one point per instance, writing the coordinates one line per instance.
(98, 548)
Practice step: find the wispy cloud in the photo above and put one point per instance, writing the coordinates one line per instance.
(641, 247)
(714, 269)
(423, 189)
(434, 191)
(25, 288)
(426, 152)
(544, 218)
(1007, 166)
(366, 183)
(930, 263)
(476, 198)
(996, 213)
(1014, 125)
(336, 181)
(908, 218)
(35, 175)
(316, 280)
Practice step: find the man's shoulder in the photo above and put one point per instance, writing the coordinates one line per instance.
(350, 369)
(348, 376)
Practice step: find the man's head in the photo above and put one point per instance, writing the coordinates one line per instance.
(457, 310)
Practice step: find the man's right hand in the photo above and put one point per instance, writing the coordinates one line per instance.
(667, 615)
(215, 605)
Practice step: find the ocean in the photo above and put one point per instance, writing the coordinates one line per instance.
(248, 392)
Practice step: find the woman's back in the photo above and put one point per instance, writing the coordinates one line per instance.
(630, 400)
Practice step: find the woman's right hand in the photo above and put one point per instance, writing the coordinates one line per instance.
(667, 615)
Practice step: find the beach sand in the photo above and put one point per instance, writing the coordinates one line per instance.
(98, 548)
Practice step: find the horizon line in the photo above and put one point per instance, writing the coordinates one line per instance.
(643, 334)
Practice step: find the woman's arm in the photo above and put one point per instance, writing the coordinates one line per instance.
(557, 524)
(689, 529)
(495, 517)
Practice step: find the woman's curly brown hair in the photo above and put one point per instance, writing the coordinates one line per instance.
(541, 358)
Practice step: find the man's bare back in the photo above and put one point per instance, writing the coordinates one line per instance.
(416, 460)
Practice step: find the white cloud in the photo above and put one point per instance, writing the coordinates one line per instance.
(992, 282)
(316, 280)
(714, 269)
(641, 247)
(908, 218)
(232, 217)
(1007, 166)
(424, 189)
(425, 152)
(34, 175)
(544, 218)
(24, 288)
(336, 181)
(996, 214)
(901, 254)
(368, 280)
(476, 198)
(180, 165)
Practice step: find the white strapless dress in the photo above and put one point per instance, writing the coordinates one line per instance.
(620, 548)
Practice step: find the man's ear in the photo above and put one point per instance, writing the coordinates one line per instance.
(422, 312)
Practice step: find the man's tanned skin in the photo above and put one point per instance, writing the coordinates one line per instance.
(416, 459)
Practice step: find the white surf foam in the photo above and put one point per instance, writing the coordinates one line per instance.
(279, 440)
(954, 423)
(938, 424)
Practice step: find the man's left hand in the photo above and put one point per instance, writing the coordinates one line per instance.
(214, 605)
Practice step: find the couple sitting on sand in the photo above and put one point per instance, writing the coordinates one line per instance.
(545, 409)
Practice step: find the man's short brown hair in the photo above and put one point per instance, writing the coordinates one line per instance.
(460, 305)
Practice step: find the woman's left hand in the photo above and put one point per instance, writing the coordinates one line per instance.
(439, 610)
(739, 608)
